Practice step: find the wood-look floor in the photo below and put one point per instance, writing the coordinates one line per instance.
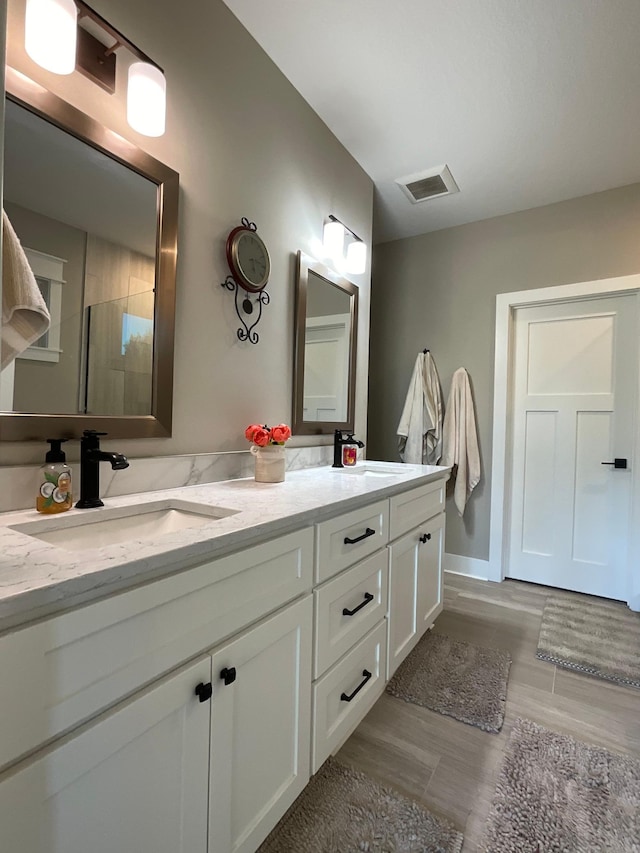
(451, 767)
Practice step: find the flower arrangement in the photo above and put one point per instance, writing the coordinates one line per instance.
(264, 435)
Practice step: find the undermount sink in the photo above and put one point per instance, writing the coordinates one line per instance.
(368, 471)
(102, 527)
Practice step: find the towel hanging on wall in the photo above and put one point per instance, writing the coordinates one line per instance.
(25, 316)
(461, 439)
(420, 427)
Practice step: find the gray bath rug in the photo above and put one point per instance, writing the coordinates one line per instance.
(343, 811)
(461, 680)
(557, 793)
(591, 635)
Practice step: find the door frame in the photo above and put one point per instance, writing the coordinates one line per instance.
(506, 305)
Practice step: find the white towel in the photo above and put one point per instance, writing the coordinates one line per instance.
(25, 317)
(461, 439)
(420, 427)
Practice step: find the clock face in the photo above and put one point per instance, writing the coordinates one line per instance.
(249, 259)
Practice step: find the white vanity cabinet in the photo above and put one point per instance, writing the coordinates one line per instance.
(415, 570)
(190, 763)
(186, 714)
(260, 728)
(136, 779)
(206, 761)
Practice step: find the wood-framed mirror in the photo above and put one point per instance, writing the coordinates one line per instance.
(324, 376)
(98, 219)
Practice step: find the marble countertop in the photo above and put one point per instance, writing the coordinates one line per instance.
(38, 578)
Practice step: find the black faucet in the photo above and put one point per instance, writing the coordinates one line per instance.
(338, 441)
(90, 458)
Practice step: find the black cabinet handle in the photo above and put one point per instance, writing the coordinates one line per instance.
(367, 676)
(367, 598)
(228, 675)
(368, 532)
(203, 691)
(425, 537)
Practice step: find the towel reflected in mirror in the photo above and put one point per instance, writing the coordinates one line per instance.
(25, 316)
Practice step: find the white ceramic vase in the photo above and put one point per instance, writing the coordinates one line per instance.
(270, 463)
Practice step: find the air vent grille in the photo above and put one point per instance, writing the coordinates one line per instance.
(432, 183)
(427, 187)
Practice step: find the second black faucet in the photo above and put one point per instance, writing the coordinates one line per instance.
(338, 443)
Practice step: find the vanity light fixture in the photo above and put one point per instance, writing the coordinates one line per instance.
(334, 235)
(50, 34)
(333, 238)
(63, 36)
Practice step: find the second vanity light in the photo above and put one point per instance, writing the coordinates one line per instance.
(334, 235)
(54, 40)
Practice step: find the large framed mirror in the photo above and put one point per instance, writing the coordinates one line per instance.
(325, 349)
(98, 219)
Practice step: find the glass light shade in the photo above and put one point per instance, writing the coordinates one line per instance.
(333, 239)
(146, 99)
(50, 33)
(356, 257)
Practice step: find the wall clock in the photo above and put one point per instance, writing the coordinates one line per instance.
(248, 257)
(250, 265)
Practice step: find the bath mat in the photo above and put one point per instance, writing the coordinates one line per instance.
(557, 793)
(591, 635)
(344, 811)
(460, 680)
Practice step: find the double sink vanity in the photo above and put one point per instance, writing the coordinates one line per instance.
(177, 664)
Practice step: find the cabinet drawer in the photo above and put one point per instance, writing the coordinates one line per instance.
(410, 509)
(360, 675)
(362, 591)
(62, 671)
(342, 541)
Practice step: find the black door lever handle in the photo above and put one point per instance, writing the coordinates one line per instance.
(617, 463)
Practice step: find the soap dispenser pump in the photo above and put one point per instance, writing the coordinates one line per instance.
(54, 481)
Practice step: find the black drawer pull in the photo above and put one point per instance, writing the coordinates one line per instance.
(367, 676)
(228, 675)
(204, 691)
(425, 537)
(367, 598)
(368, 532)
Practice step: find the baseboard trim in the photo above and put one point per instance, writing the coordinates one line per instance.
(471, 567)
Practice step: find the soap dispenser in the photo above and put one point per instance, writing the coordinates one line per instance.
(349, 451)
(54, 481)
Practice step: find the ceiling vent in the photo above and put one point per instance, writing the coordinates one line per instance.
(430, 184)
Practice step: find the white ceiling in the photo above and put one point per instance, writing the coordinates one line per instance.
(529, 102)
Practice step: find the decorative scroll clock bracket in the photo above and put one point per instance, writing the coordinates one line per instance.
(250, 265)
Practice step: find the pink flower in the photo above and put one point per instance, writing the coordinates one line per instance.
(251, 430)
(280, 433)
(261, 437)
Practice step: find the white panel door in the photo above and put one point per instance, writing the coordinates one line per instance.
(326, 368)
(260, 728)
(136, 780)
(575, 385)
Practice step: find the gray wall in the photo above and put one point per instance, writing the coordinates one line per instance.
(245, 144)
(438, 291)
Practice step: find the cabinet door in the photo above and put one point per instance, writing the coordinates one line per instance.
(430, 577)
(415, 588)
(403, 599)
(260, 728)
(135, 780)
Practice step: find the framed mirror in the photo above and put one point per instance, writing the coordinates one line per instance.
(98, 220)
(324, 379)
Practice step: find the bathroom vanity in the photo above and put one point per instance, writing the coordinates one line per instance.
(174, 693)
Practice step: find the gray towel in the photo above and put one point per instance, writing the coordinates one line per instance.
(25, 317)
